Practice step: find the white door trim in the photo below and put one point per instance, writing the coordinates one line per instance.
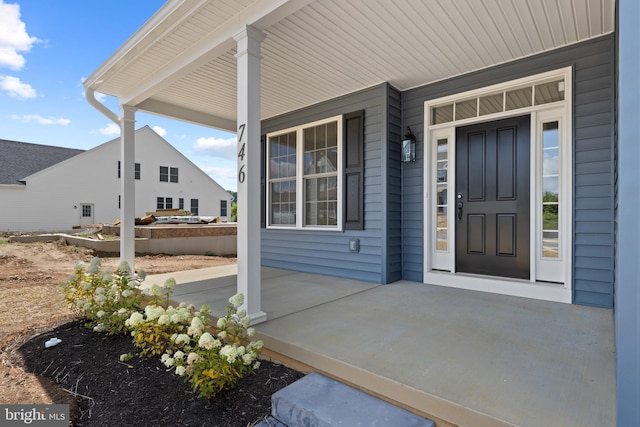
(439, 265)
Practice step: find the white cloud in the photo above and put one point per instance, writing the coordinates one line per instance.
(216, 147)
(27, 118)
(13, 37)
(110, 129)
(226, 177)
(160, 131)
(15, 88)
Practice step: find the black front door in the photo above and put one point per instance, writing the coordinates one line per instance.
(492, 198)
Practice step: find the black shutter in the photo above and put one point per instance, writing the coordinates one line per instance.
(354, 171)
(263, 185)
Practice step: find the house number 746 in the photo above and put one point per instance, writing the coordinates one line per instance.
(241, 154)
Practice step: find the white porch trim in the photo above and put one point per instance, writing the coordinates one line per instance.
(248, 86)
(127, 185)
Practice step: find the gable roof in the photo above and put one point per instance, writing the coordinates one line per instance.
(21, 159)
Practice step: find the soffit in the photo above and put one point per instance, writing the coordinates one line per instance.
(326, 48)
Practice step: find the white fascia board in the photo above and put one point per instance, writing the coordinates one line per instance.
(187, 115)
(259, 15)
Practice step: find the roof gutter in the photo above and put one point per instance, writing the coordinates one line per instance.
(89, 94)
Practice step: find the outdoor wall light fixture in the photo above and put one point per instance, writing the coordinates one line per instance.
(409, 147)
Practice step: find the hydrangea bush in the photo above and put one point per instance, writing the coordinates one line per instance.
(105, 299)
(113, 303)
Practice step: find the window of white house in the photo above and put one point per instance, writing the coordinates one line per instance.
(168, 203)
(223, 208)
(168, 174)
(181, 203)
(86, 211)
(194, 206)
(137, 170)
(160, 203)
(304, 176)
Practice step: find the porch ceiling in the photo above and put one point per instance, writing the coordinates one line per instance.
(181, 62)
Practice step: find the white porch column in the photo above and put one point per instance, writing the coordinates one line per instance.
(249, 278)
(127, 185)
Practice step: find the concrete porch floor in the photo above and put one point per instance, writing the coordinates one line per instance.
(470, 358)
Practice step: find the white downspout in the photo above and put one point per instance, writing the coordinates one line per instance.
(89, 94)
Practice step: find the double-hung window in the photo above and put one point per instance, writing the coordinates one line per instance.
(304, 172)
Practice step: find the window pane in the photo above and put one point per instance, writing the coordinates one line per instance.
(518, 98)
(283, 202)
(321, 201)
(282, 155)
(491, 104)
(442, 188)
(550, 243)
(549, 92)
(441, 229)
(550, 188)
(466, 109)
(442, 114)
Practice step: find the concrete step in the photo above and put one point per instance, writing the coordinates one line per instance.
(316, 400)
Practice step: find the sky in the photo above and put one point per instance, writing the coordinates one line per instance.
(48, 48)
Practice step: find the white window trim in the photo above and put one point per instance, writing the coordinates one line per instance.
(439, 266)
(299, 225)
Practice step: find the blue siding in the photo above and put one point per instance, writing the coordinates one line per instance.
(327, 252)
(593, 63)
(394, 186)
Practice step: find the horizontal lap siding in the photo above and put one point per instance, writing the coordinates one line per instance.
(593, 197)
(327, 252)
(593, 63)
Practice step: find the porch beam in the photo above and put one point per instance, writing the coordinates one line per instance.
(248, 87)
(127, 185)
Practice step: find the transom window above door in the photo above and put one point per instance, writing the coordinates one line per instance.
(304, 176)
(507, 100)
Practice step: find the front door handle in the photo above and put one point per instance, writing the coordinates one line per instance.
(459, 206)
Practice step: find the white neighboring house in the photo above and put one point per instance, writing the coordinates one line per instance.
(63, 187)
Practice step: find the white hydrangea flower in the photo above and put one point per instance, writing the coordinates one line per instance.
(236, 300)
(222, 322)
(180, 370)
(124, 268)
(222, 335)
(248, 358)
(142, 274)
(100, 298)
(153, 312)
(182, 339)
(192, 358)
(170, 283)
(196, 327)
(169, 362)
(80, 265)
(245, 321)
(106, 277)
(100, 290)
(256, 365)
(179, 355)
(127, 293)
(86, 286)
(135, 319)
(164, 357)
(122, 311)
(229, 352)
(206, 341)
(93, 269)
(164, 320)
(100, 313)
(251, 332)
(241, 350)
(155, 291)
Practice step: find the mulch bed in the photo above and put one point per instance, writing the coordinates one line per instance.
(142, 392)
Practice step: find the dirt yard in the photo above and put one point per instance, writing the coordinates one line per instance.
(31, 301)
